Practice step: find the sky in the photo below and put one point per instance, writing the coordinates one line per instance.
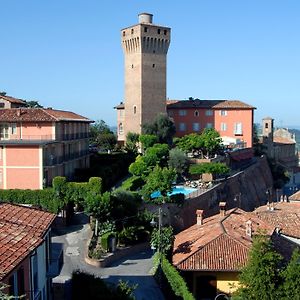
(67, 54)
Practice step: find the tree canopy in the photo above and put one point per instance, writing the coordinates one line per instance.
(163, 127)
(102, 136)
(206, 144)
(212, 168)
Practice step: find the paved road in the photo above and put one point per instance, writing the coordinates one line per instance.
(134, 269)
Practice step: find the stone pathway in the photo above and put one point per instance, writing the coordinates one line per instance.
(134, 269)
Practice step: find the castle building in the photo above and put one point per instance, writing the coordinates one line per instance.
(145, 47)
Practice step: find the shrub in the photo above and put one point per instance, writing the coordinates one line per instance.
(176, 282)
(133, 183)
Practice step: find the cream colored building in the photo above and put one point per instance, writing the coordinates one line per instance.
(145, 46)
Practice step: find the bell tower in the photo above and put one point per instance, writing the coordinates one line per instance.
(145, 46)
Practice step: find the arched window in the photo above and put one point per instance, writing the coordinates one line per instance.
(134, 109)
(121, 129)
(196, 113)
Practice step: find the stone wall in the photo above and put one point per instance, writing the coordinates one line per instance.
(246, 189)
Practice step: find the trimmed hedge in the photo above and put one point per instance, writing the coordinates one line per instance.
(105, 240)
(176, 282)
(45, 199)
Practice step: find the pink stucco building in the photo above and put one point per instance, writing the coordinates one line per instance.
(37, 144)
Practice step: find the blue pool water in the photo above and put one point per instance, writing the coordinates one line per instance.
(176, 190)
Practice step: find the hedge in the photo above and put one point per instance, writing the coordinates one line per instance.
(45, 199)
(177, 283)
(53, 199)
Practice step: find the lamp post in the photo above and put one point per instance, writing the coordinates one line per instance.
(237, 198)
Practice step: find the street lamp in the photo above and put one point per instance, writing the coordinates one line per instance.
(153, 223)
(237, 198)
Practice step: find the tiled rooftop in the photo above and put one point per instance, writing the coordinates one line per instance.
(285, 216)
(21, 231)
(12, 99)
(283, 140)
(39, 115)
(210, 104)
(219, 244)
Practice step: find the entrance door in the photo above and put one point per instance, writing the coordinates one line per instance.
(206, 287)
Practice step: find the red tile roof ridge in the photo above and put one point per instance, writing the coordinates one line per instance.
(12, 99)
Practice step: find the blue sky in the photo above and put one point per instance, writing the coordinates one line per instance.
(67, 53)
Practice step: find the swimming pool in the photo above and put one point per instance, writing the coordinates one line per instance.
(176, 190)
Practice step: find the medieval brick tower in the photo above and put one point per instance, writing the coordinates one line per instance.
(145, 47)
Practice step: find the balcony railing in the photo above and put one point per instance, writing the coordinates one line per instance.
(45, 137)
(55, 160)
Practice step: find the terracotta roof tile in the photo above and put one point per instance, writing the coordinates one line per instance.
(209, 104)
(39, 115)
(21, 231)
(221, 243)
(12, 99)
(285, 216)
(283, 140)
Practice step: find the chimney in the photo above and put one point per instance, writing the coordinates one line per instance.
(249, 228)
(199, 214)
(222, 206)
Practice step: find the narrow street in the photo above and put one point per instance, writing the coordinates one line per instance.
(134, 269)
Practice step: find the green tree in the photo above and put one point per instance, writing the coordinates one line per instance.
(139, 167)
(291, 277)
(191, 143)
(102, 136)
(132, 140)
(99, 206)
(163, 127)
(33, 104)
(212, 168)
(162, 240)
(178, 161)
(211, 141)
(148, 140)
(160, 179)
(156, 155)
(260, 278)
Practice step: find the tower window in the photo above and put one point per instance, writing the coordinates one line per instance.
(121, 129)
(131, 66)
(145, 29)
(132, 31)
(134, 109)
(165, 32)
(196, 113)
(123, 33)
(153, 66)
(158, 31)
(266, 125)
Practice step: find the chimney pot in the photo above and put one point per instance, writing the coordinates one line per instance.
(199, 214)
(249, 228)
(222, 206)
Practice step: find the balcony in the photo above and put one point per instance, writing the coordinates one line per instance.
(44, 137)
(56, 160)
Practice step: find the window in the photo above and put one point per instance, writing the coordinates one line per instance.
(182, 127)
(134, 109)
(121, 129)
(123, 33)
(158, 31)
(267, 125)
(196, 113)
(131, 66)
(223, 113)
(13, 128)
(132, 31)
(223, 126)
(209, 125)
(4, 131)
(196, 127)
(182, 112)
(165, 32)
(145, 29)
(153, 66)
(238, 128)
(208, 112)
